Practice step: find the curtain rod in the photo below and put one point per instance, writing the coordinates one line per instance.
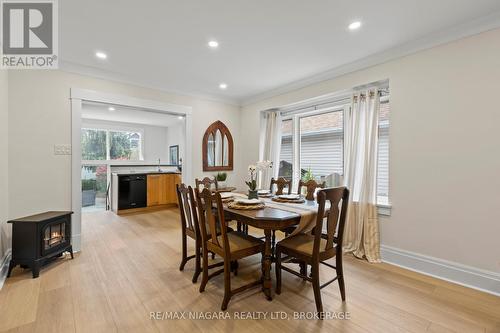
(337, 98)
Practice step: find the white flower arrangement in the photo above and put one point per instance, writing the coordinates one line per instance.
(263, 165)
(252, 170)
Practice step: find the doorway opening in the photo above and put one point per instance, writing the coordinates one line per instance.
(124, 139)
(115, 134)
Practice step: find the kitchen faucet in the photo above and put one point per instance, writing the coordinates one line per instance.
(159, 168)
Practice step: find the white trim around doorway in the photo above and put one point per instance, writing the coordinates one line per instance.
(77, 96)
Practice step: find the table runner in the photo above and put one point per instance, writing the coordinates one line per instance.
(307, 213)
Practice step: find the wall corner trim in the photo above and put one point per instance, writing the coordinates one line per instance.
(467, 276)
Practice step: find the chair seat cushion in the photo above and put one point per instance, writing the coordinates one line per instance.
(240, 243)
(301, 243)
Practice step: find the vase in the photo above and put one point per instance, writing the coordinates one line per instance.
(252, 194)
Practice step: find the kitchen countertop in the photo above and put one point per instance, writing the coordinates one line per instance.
(134, 173)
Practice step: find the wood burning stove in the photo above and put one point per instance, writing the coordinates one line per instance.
(39, 238)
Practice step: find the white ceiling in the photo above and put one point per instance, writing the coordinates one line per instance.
(100, 111)
(264, 44)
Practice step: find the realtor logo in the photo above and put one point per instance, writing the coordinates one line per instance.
(29, 34)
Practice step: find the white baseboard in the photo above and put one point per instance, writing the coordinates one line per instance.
(442, 269)
(4, 266)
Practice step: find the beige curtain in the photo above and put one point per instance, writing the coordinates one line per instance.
(361, 236)
(270, 145)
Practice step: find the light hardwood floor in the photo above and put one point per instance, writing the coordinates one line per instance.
(129, 267)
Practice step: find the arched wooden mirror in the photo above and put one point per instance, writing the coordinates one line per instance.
(217, 148)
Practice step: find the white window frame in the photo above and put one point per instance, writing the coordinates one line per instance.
(115, 128)
(383, 203)
(296, 138)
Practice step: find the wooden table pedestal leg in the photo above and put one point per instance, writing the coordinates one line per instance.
(267, 283)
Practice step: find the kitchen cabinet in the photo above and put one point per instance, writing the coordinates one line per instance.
(162, 189)
(131, 192)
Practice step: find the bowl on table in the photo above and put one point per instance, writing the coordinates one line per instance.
(264, 193)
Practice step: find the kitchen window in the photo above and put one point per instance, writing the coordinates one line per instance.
(105, 144)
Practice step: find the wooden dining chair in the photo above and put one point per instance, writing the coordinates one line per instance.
(280, 185)
(231, 246)
(190, 227)
(207, 182)
(311, 187)
(314, 249)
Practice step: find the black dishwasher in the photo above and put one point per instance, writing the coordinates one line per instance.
(132, 191)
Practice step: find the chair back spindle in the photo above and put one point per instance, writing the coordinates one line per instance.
(280, 185)
(187, 207)
(338, 199)
(211, 215)
(207, 183)
(311, 187)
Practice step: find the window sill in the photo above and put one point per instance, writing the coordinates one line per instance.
(384, 207)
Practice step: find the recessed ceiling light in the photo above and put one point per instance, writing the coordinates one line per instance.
(213, 44)
(355, 25)
(180, 117)
(111, 109)
(101, 55)
(223, 86)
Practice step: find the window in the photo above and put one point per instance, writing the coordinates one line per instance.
(103, 144)
(93, 144)
(322, 146)
(286, 151)
(124, 145)
(317, 136)
(100, 148)
(383, 152)
(94, 186)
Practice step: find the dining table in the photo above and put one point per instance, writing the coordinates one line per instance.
(271, 217)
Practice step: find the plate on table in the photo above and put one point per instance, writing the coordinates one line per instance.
(264, 194)
(226, 195)
(236, 205)
(242, 201)
(289, 196)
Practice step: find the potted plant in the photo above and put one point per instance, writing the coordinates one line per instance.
(88, 192)
(221, 179)
(252, 184)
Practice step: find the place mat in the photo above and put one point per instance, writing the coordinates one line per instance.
(297, 201)
(235, 205)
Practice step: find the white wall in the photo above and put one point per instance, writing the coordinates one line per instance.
(175, 135)
(40, 116)
(5, 233)
(155, 138)
(444, 148)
